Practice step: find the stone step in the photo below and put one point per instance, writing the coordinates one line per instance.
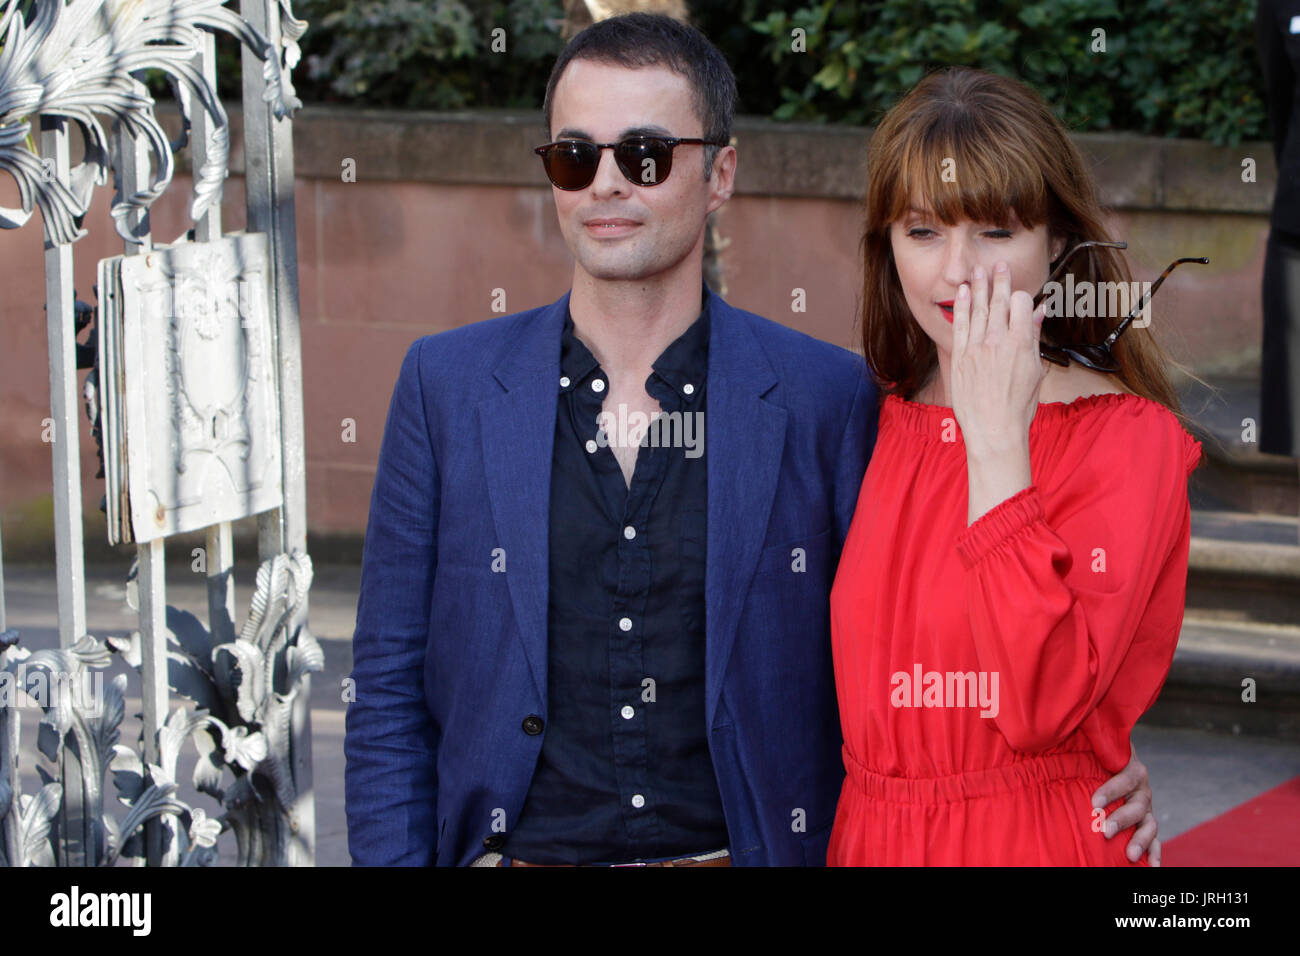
(1211, 666)
(1245, 480)
(1235, 474)
(1244, 568)
(1244, 526)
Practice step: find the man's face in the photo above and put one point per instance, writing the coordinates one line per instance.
(618, 230)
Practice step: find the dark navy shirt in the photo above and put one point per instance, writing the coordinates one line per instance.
(625, 772)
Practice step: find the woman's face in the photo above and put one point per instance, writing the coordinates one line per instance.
(933, 259)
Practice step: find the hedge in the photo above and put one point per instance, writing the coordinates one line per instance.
(1150, 66)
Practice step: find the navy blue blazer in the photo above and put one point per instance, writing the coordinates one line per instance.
(450, 650)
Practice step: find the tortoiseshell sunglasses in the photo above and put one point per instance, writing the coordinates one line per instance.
(1099, 356)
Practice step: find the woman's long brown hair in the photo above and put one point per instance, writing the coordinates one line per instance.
(1006, 150)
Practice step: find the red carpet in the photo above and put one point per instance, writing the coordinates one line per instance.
(1264, 831)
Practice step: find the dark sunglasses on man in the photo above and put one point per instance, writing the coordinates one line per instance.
(571, 164)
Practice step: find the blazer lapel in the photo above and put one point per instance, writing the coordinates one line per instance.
(746, 436)
(518, 434)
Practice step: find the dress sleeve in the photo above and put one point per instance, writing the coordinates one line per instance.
(1054, 606)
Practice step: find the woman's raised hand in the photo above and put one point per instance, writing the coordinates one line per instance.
(996, 370)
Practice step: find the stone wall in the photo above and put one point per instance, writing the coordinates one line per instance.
(446, 208)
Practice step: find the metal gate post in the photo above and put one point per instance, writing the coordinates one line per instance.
(269, 185)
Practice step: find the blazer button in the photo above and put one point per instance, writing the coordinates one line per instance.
(532, 725)
(495, 842)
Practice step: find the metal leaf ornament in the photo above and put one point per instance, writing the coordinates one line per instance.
(245, 690)
(76, 58)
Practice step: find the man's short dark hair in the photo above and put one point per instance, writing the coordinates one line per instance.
(636, 40)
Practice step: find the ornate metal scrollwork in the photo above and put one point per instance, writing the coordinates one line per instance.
(76, 58)
(243, 688)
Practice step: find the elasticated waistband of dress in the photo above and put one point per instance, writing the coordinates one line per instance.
(1031, 771)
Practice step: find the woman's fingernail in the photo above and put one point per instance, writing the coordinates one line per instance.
(1000, 267)
(963, 291)
(979, 272)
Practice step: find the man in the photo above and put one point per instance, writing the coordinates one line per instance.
(572, 647)
(1277, 37)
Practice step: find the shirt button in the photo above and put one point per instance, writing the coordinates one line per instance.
(591, 445)
(598, 385)
(494, 842)
(625, 624)
(629, 532)
(688, 388)
(532, 725)
(638, 801)
(564, 381)
(627, 712)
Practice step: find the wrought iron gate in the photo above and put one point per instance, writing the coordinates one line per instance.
(196, 399)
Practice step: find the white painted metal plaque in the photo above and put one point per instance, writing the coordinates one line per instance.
(201, 420)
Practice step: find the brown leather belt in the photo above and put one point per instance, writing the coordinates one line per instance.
(684, 861)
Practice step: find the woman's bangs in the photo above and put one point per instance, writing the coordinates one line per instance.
(963, 174)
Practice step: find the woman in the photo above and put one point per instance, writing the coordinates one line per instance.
(1011, 590)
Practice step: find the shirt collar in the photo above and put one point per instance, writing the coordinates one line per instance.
(576, 360)
(683, 364)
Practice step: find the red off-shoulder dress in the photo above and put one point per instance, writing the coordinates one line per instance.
(989, 676)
